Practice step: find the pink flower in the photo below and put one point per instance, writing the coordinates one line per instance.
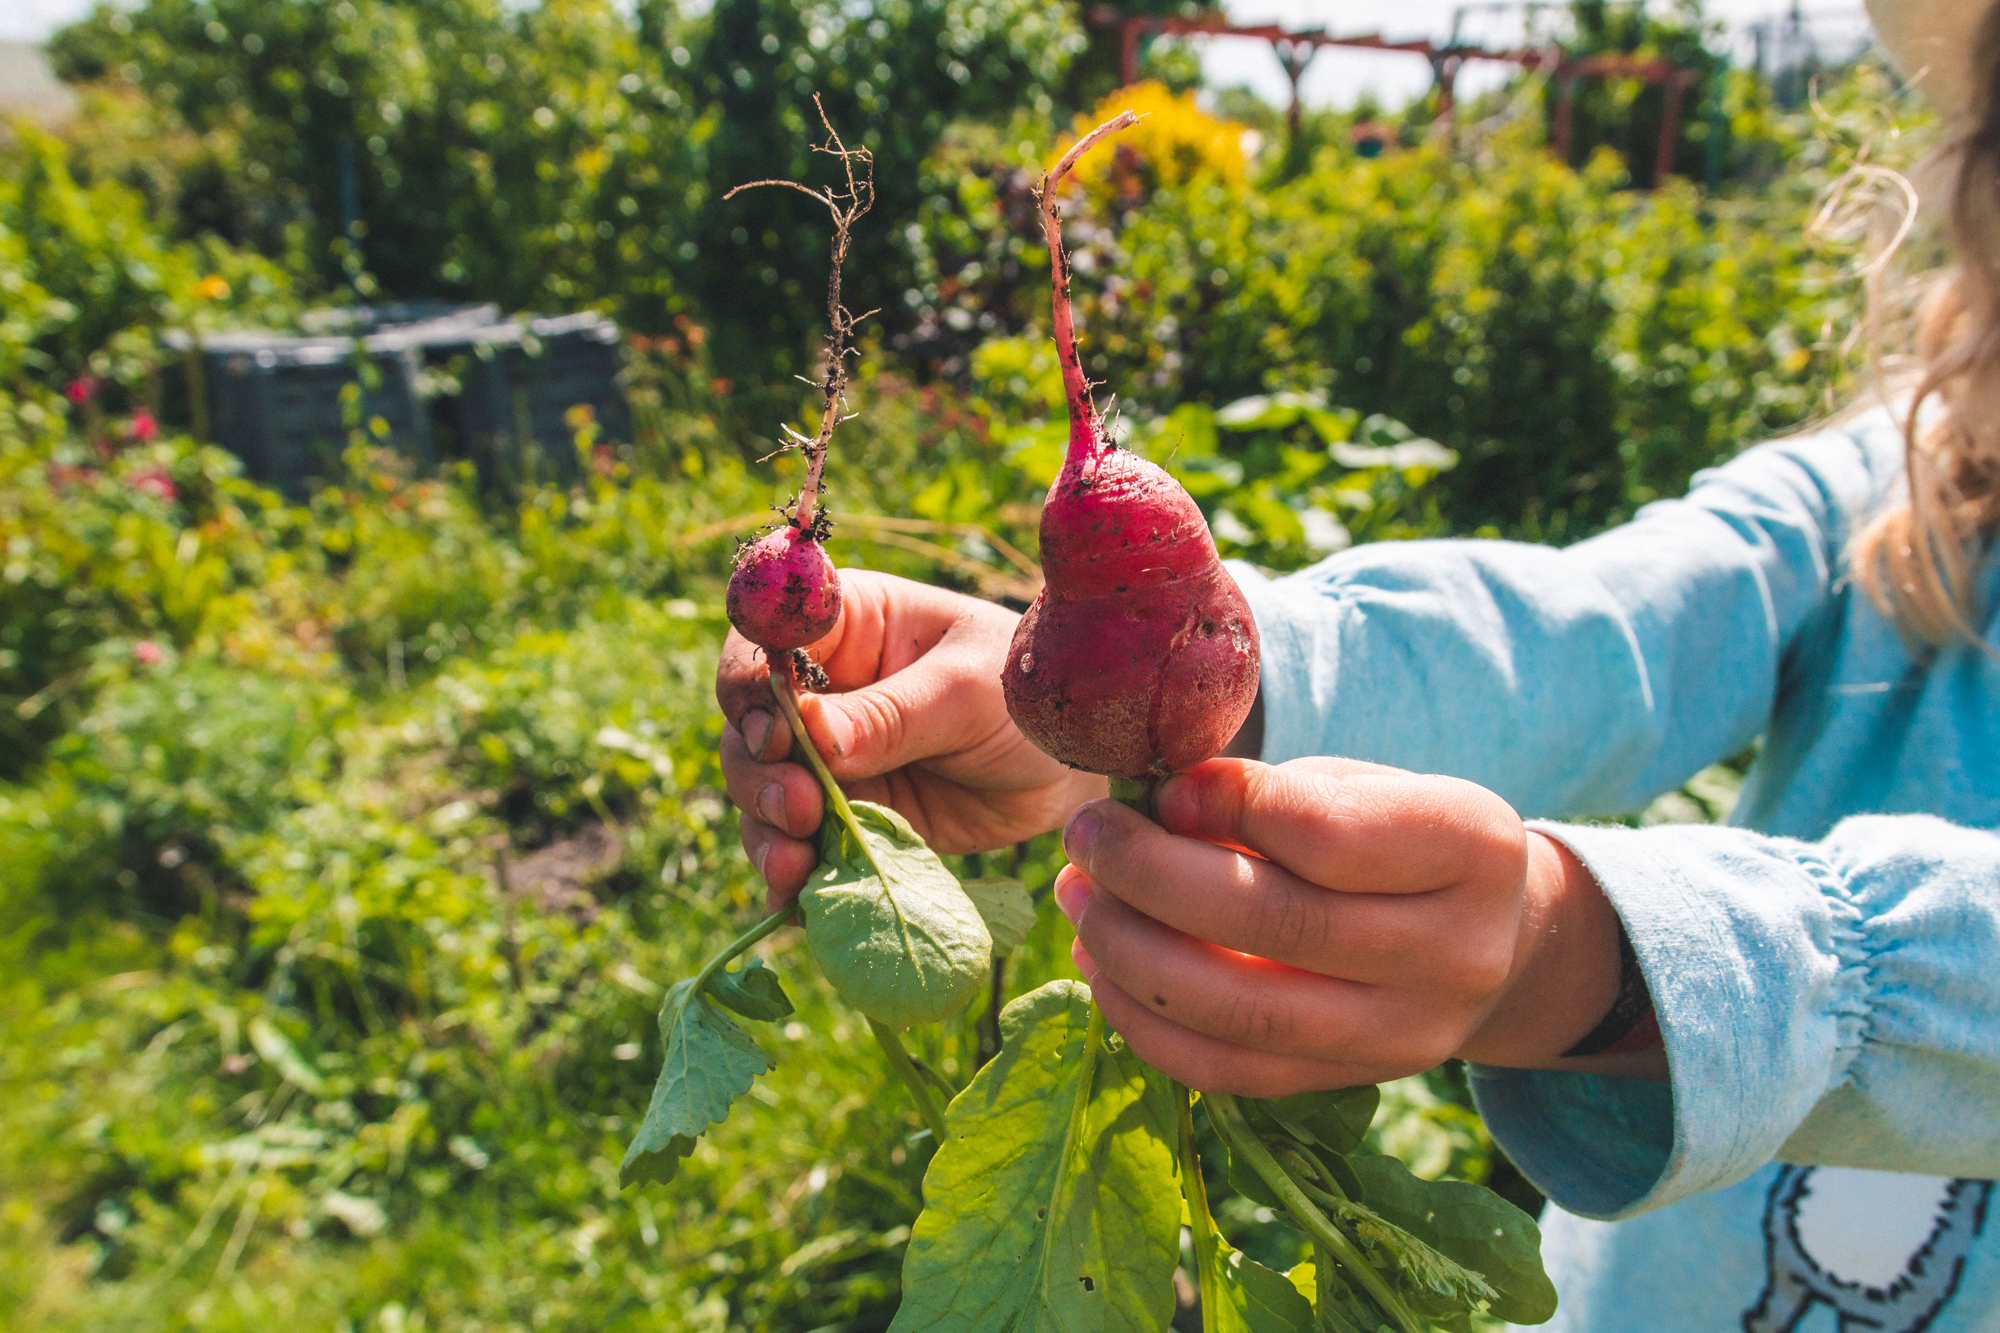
(147, 652)
(81, 389)
(154, 482)
(142, 427)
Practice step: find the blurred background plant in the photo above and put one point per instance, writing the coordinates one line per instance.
(346, 844)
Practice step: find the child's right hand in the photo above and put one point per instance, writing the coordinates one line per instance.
(916, 721)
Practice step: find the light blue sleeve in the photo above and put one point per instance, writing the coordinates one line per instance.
(1575, 681)
(1829, 1003)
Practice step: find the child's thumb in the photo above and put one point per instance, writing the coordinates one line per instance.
(867, 732)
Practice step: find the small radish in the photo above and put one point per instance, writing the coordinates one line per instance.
(1139, 657)
(785, 592)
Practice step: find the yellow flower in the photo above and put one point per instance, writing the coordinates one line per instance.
(211, 288)
(1174, 143)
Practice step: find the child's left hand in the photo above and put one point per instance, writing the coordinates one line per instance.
(1381, 923)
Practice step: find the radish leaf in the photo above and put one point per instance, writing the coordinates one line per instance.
(1052, 1203)
(754, 992)
(1334, 1120)
(1255, 1299)
(1473, 1227)
(710, 1062)
(889, 925)
(1005, 907)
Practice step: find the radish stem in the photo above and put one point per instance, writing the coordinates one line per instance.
(786, 693)
(740, 945)
(920, 1092)
(1075, 387)
(1207, 1261)
(1227, 1117)
(1135, 792)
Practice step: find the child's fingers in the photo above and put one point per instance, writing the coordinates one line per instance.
(1249, 905)
(1207, 1064)
(783, 861)
(1246, 1001)
(786, 796)
(1355, 827)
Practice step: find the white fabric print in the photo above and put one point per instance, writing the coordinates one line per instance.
(1884, 1250)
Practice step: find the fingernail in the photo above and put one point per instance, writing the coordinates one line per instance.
(1081, 834)
(756, 731)
(763, 855)
(1072, 894)
(771, 805)
(1084, 962)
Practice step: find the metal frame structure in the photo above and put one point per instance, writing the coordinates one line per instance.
(1295, 50)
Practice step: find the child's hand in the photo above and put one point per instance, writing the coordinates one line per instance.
(916, 721)
(1385, 922)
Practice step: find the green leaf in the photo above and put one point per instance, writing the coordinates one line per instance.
(1186, 432)
(1267, 411)
(1255, 1299)
(1332, 425)
(1410, 454)
(1431, 1282)
(710, 1062)
(1335, 1120)
(1005, 907)
(754, 992)
(1337, 1308)
(1015, 1239)
(1470, 1225)
(1345, 1311)
(889, 925)
(1243, 1178)
(284, 1057)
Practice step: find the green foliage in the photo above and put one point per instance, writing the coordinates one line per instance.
(554, 155)
(1625, 116)
(1388, 1247)
(1082, 1131)
(87, 280)
(709, 1063)
(1005, 906)
(171, 766)
(891, 928)
(107, 548)
(753, 991)
(416, 1055)
(454, 115)
(1581, 349)
(1469, 1226)
(348, 847)
(1255, 1299)
(1336, 1121)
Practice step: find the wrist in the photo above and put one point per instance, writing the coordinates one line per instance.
(1566, 972)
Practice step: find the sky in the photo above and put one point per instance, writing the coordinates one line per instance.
(1335, 78)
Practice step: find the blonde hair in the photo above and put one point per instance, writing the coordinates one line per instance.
(1916, 560)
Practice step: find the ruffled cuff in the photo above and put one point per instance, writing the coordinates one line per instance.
(1755, 960)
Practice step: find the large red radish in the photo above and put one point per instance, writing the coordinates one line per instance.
(1139, 657)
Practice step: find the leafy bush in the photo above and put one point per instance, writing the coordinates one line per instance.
(1582, 349)
(346, 844)
(89, 281)
(556, 155)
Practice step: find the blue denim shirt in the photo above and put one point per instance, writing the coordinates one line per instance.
(1826, 974)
